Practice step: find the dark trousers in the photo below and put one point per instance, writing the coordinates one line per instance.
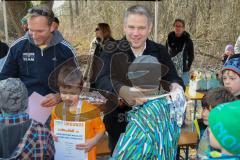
(115, 123)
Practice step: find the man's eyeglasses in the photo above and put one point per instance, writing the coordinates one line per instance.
(42, 12)
(178, 26)
(97, 29)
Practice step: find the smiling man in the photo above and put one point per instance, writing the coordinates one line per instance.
(33, 57)
(138, 24)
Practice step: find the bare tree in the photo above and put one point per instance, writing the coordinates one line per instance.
(76, 8)
(16, 11)
(48, 3)
(71, 12)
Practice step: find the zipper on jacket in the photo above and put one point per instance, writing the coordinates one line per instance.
(42, 52)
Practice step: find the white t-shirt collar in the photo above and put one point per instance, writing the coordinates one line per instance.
(139, 54)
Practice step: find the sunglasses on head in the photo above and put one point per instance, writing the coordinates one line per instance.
(42, 12)
(97, 29)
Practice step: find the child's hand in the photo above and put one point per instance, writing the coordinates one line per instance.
(86, 146)
(51, 100)
(55, 138)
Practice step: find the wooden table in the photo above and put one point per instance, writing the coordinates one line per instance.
(195, 97)
(187, 139)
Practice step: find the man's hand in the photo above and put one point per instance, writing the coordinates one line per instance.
(51, 100)
(140, 101)
(175, 87)
(133, 96)
(86, 146)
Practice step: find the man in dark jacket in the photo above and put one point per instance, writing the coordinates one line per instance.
(180, 48)
(137, 27)
(33, 57)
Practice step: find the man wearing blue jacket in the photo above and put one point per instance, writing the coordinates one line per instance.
(34, 56)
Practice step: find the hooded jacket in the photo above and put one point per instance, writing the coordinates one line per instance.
(175, 45)
(32, 64)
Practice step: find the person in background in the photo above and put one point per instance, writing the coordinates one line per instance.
(20, 136)
(56, 23)
(180, 47)
(229, 51)
(231, 76)
(210, 100)
(103, 38)
(103, 35)
(224, 131)
(24, 24)
(3, 52)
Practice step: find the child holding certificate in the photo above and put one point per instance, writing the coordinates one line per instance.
(74, 109)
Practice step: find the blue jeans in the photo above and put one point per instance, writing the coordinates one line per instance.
(185, 78)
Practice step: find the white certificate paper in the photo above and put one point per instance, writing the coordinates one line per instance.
(69, 135)
(35, 110)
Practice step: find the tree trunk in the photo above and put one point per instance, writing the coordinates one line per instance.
(16, 11)
(71, 13)
(77, 8)
(193, 20)
(48, 3)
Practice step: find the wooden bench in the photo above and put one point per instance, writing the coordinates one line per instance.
(187, 139)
